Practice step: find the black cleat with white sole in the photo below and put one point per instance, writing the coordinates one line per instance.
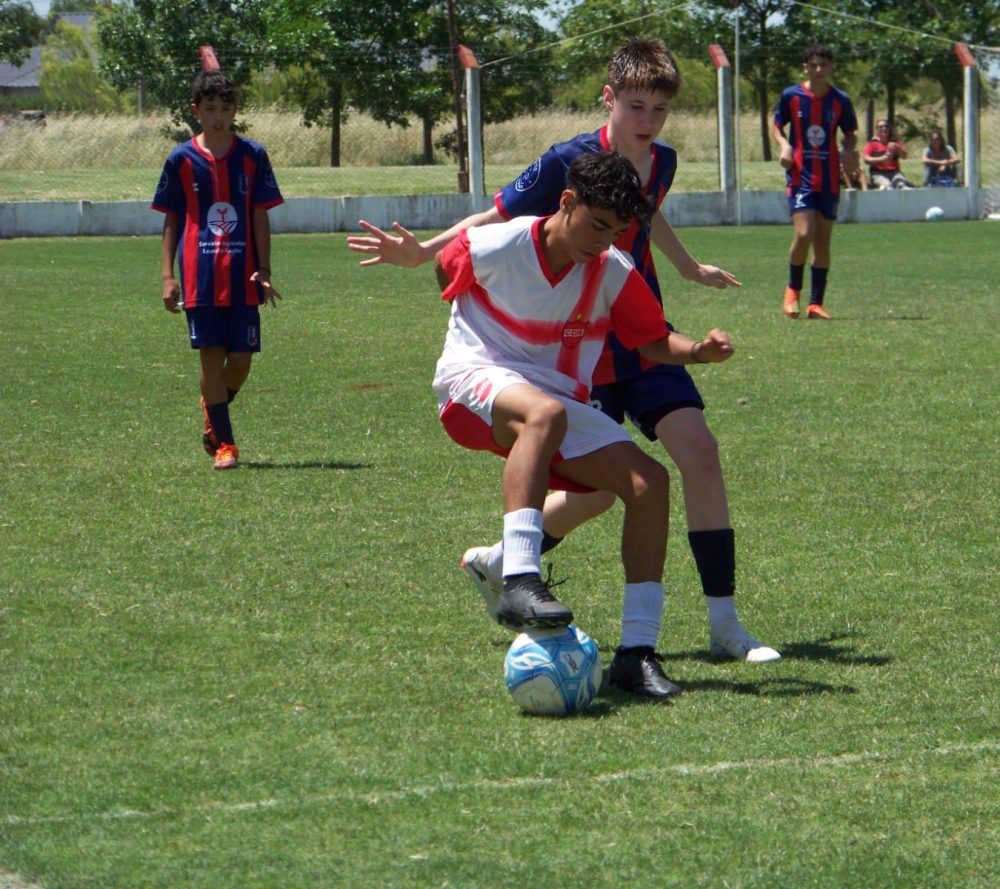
(527, 602)
(637, 670)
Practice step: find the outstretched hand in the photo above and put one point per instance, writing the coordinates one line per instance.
(714, 348)
(403, 251)
(711, 276)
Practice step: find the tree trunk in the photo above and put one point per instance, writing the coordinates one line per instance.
(336, 112)
(764, 110)
(890, 105)
(428, 140)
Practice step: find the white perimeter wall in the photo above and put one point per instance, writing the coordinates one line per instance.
(32, 219)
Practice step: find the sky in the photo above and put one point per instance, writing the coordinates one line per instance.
(41, 6)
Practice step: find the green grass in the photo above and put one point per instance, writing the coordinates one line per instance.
(278, 677)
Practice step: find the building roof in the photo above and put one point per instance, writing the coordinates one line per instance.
(28, 76)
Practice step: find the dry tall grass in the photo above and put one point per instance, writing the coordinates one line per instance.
(95, 143)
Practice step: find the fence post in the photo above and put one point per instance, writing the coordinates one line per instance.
(727, 154)
(474, 120)
(971, 106)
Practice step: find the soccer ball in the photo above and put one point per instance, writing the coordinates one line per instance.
(553, 672)
(934, 214)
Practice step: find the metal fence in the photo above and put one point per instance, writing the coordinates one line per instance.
(82, 143)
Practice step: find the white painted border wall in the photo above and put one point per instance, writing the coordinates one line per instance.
(43, 219)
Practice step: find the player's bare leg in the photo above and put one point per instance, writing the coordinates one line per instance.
(822, 236)
(532, 425)
(643, 485)
(804, 230)
(215, 404)
(690, 443)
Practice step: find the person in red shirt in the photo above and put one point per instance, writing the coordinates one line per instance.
(882, 154)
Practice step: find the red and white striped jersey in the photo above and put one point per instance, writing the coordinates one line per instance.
(509, 309)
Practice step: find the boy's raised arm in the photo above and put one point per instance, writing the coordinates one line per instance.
(404, 249)
(670, 245)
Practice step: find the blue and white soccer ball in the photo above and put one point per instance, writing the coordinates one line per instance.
(934, 214)
(553, 672)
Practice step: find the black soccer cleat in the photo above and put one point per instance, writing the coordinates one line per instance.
(527, 602)
(637, 670)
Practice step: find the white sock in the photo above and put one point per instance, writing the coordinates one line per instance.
(494, 561)
(522, 542)
(641, 614)
(720, 608)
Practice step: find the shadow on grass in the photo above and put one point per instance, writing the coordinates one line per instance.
(827, 648)
(312, 464)
(888, 319)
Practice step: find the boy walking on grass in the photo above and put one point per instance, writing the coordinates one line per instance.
(532, 303)
(813, 111)
(663, 402)
(215, 192)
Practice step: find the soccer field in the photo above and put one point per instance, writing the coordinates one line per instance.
(280, 677)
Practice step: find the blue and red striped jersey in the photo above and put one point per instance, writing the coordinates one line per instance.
(812, 132)
(536, 192)
(214, 199)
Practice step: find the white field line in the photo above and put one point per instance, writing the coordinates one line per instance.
(682, 770)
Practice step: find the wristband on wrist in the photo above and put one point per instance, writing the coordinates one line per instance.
(263, 268)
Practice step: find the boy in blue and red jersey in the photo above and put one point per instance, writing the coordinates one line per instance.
(215, 192)
(813, 111)
(662, 401)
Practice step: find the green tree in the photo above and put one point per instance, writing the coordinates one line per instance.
(595, 29)
(19, 29)
(153, 46)
(351, 54)
(70, 80)
(513, 49)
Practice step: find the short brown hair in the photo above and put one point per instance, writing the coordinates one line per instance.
(817, 49)
(644, 64)
(213, 84)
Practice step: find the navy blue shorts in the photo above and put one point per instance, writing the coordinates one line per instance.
(823, 202)
(235, 328)
(647, 398)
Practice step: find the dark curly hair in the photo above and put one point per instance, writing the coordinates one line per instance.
(608, 181)
(213, 84)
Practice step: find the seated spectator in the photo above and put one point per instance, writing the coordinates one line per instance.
(882, 154)
(856, 179)
(941, 163)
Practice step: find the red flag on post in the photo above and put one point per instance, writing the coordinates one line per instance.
(208, 60)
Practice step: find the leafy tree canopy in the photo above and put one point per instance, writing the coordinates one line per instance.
(19, 29)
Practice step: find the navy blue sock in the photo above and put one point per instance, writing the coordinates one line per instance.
(818, 286)
(218, 414)
(549, 542)
(796, 275)
(715, 555)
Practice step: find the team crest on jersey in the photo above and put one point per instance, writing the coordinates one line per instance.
(482, 390)
(529, 177)
(163, 183)
(573, 332)
(816, 136)
(222, 219)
